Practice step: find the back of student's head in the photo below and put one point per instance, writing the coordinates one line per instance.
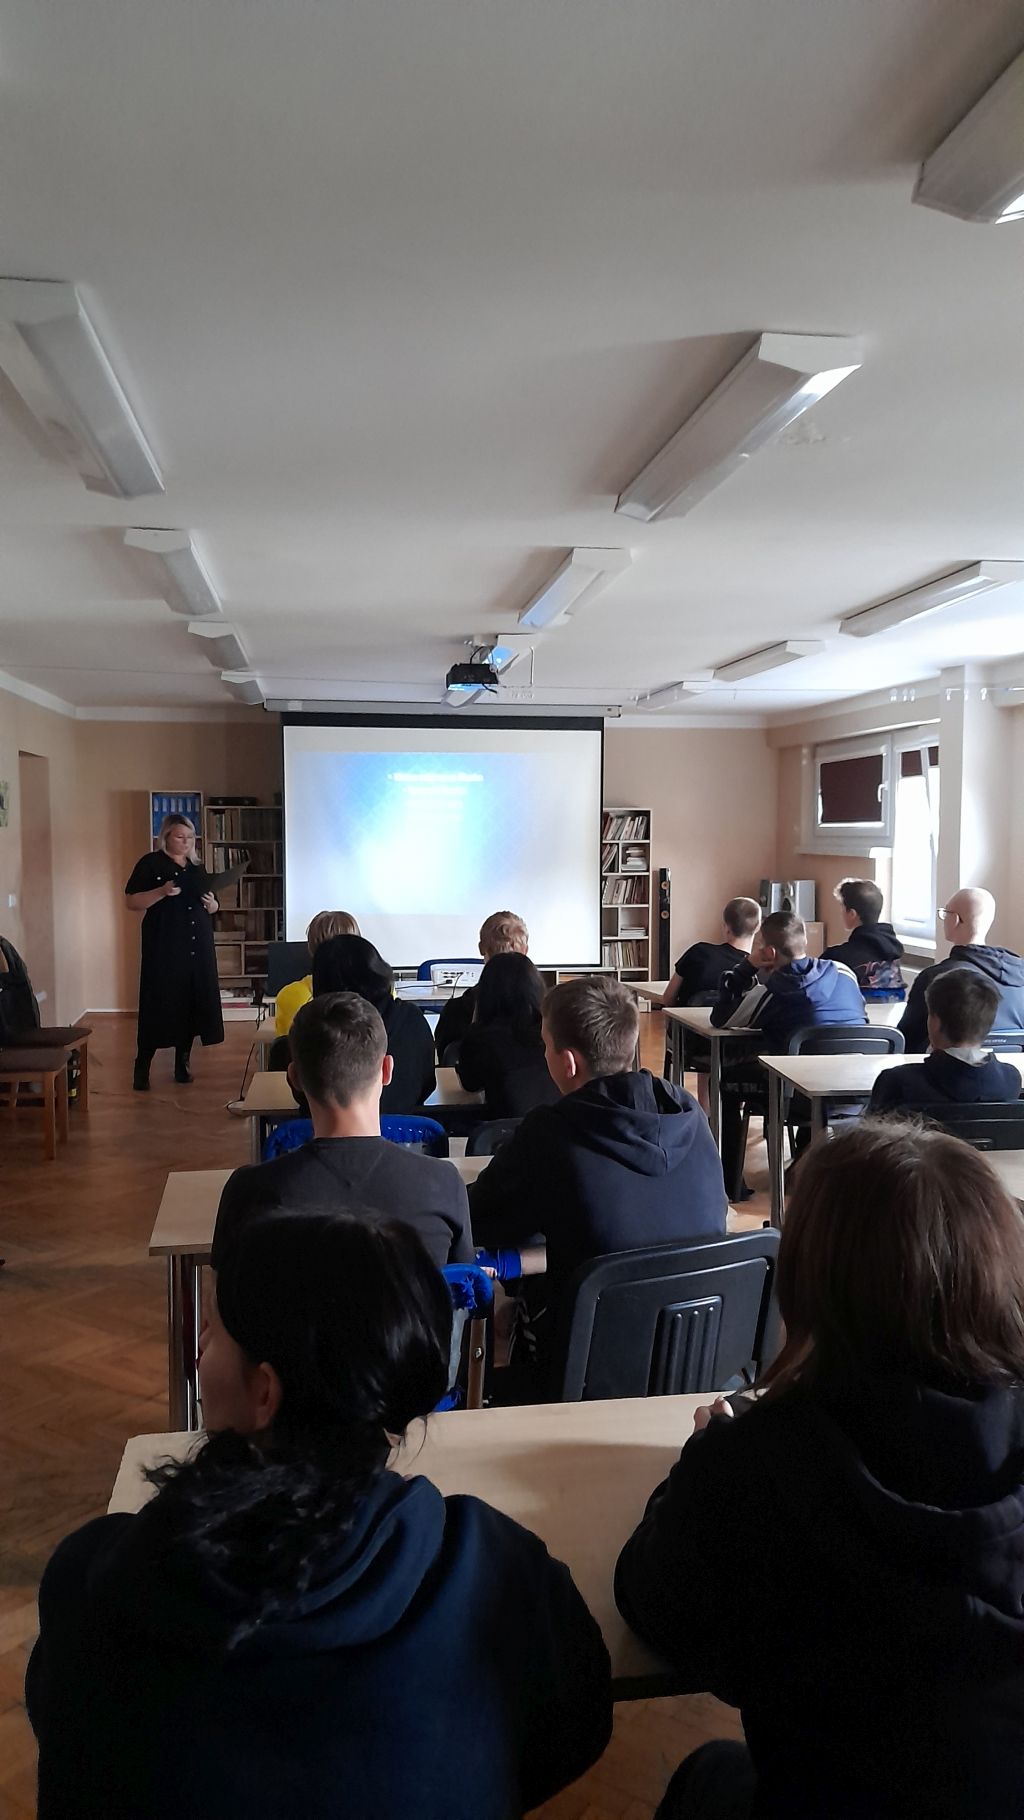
(965, 1004)
(503, 932)
(862, 896)
(510, 991)
(902, 1253)
(596, 1016)
(786, 933)
(354, 1321)
(338, 1042)
(742, 916)
(328, 923)
(349, 963)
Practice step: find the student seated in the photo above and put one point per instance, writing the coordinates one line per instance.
(966, 921)
(347, 963)
(501, 933)
(290, 1628)
(960, 1071)
(502, 1052)
(872, 949)
(325, 925)
(778, 991)
(340, 1064)
(843, 1562)
(699, 971)
(622, 1161)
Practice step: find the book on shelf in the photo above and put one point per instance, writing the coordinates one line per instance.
(625, 955)
(610, 857)
(623, 891)
(619, 826)
(250, 825)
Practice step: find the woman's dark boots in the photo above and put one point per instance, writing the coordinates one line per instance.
(182, 1071)
(140, 1079)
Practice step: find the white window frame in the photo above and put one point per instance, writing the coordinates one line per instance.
(847, 837)
(917, 739)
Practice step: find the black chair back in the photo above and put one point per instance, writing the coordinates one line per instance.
(485, 1139)
(450, 1058)
(998, 1125)
(1004, 1040)
(846, 1039)
(669, 1320)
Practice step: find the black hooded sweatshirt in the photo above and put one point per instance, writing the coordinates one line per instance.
(848, 1569)
(865, 947)
(624, 1162)
(443, 1667)
(1000, 966)
(944, 1080)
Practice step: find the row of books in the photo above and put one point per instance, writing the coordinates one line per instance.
(259, 855)
(634, 859)
(625, 955)
(260, 893)
(244, 824)
(626, 827)
(624, 891)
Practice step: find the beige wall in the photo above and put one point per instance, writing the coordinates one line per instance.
(826, 869)
(101, 773)
(713, 800)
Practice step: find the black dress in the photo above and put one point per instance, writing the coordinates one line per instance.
(179, 992)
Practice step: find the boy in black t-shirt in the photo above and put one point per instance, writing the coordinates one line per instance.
(699, 972)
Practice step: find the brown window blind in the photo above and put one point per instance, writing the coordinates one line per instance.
(850, 789)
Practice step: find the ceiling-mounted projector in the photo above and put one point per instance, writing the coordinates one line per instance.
(471, 676)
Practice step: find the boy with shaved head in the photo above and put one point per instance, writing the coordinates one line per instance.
(966, 921)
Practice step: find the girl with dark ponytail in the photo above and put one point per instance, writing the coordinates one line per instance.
(290, 1628)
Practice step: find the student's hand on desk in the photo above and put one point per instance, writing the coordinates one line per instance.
(703, 1416)
(209, 902)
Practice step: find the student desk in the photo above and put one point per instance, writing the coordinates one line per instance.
(269, 1096)
(183, 1234)
(1009, 1167)
(698, 1019)
(651, 990)
(577, 1474)
(820, 1078)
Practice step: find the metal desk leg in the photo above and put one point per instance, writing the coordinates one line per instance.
(255, 1139)
(183, 1307)
(775, 1136)
(715, 1090)
(677, 1057)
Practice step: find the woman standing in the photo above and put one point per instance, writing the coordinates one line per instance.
(179, 993)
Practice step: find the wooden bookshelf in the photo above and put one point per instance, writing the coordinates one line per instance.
(252, 909)
(626, 911)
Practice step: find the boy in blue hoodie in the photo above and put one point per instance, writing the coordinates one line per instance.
(778, 990)
(959, 1070)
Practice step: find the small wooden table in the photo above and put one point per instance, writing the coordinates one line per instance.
(183, 1234)
(269, 1097)
(577, 1474)
(66, 1037)
(24, 1066)
(820, 1078)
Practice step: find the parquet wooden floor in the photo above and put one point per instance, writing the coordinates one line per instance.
(83, 1364)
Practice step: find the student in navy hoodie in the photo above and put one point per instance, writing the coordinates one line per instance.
(289, 1628)
(959, 1071)
(966, 921)
(779, 990)
(872, 949)
(873, 1636)
(624, 1160)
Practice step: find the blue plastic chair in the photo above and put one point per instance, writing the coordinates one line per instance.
(472, 1294)
(423, 970)
(426, 1134)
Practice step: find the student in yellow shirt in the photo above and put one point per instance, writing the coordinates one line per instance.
(325, 925)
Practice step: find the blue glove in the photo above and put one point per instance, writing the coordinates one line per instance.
(506, 1264)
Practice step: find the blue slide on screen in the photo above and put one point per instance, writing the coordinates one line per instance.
(421, 832)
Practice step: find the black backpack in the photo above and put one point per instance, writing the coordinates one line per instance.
(18, 1008)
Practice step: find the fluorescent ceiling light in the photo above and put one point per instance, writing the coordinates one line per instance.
(977, 173)
(244, 686)
(976, 578)
(187, 587)
(575, 582)
(222, 646)
(769, 659)
(674, 693)
(55, 361)
(776, 380)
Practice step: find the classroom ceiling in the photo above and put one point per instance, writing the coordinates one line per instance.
(403, 293)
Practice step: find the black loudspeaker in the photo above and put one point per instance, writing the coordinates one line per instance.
(664, 971)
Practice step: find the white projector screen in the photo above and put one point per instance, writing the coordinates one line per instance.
(421, 830)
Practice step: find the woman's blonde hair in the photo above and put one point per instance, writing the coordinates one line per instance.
(178, 821)
(327, 924)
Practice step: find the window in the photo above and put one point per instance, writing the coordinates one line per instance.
(915, 838)
(852, 792)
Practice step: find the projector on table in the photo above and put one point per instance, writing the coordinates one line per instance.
(449, 973)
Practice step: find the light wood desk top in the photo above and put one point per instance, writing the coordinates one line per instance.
(1009, 1167)
(818, 1076)
(577, 1474)
(188, 1207)
(698, 1018)
(648, 989)
(269, 1096)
